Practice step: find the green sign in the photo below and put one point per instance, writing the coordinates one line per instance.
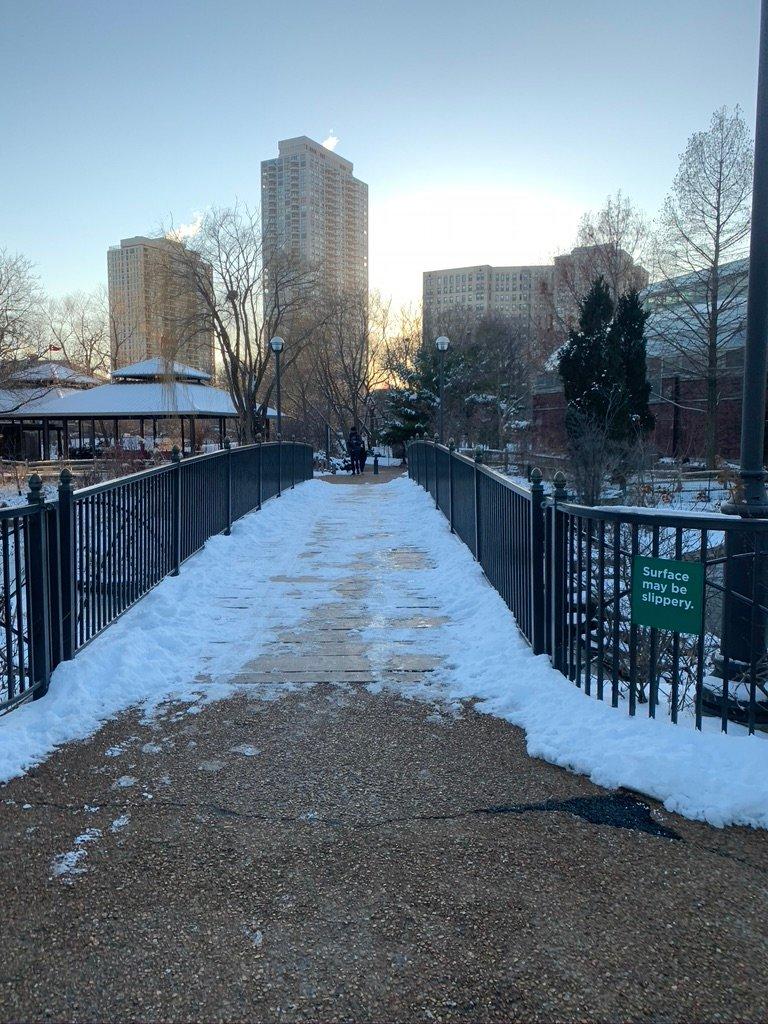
(668, 594)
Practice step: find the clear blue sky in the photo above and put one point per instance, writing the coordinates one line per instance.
(483, 129)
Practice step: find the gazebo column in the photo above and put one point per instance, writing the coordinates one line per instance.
(141, 427)
(65, 430)
(154, 432)
(117, 433)
(192, 436)
(93, 437)
(181, 421)
(46, 440)
(221, 432)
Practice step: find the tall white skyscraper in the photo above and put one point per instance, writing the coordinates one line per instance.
(312, 205)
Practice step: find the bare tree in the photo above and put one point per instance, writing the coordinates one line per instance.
(78, 326)
(702, 229)
(610, 243)
(347, 356)
(20, 299)
(246, 296)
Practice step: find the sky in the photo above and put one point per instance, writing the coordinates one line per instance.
(484, 130)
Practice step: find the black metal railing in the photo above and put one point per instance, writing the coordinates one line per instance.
(72, 566)
(565, 572)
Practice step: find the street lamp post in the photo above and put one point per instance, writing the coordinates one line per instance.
(745, 627)
(441, 344)
(277, 345)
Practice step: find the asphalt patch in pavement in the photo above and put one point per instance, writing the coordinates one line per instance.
(619, 810)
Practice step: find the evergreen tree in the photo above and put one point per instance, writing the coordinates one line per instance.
(603, 366)
(626, 359)
(412, 401)
(582, 359)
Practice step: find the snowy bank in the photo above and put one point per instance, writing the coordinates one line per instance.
(157, 649)
(707, 776)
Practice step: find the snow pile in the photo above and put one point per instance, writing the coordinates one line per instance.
(707, 776)
(204, 623)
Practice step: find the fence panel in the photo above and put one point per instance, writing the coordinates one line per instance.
(24, 664)
(123, 545)
(565, 571)
(271, 469)
(246, 479)
(443, 457)
(651, 669)
(204, 483)
(464, 500)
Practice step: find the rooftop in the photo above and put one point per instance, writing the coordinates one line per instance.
(159, 369)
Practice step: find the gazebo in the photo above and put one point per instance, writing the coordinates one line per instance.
(144, 393)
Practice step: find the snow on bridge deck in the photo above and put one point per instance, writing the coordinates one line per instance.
(305, 816)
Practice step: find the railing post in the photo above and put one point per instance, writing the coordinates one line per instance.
(557, 581)
(261, 461)
(451, 449)
(538, 600)
(228, 457)
(67, 581)
(293, 461)
(176, 512)
(437, 479)
(37, 569)
(478, 461)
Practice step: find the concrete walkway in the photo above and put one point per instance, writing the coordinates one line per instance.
(322, 847)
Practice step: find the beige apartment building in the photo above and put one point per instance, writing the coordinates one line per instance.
(544, 297)
(154, 306)
(313, 206)
(523, 292)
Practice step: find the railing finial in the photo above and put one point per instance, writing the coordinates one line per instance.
(536, 477)
(478, 455)
(259, 438)
(175, 454)
(560, 493)
(35, 496)
(227, 444)
(65, 480)
(452, 444)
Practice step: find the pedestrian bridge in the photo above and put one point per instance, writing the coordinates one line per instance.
(319, 774)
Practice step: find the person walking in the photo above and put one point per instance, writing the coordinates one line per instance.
(354, 446)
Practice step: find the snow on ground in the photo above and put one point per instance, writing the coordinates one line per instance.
(708, 776)
(208, 620)
(225, 605)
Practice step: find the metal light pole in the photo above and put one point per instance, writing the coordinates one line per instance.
(752, 474)
(441, 344)
(745, 630)
(277, 345)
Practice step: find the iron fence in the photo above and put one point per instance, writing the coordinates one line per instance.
(565, 572)
(72, 566)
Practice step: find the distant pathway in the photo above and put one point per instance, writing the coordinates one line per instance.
(322, 847)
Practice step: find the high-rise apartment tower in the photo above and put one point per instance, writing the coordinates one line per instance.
(154, 305)
(313, 206)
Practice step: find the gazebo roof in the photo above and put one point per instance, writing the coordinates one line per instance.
(159, 369)
(129, 401)
(53, 373)
(28, 401)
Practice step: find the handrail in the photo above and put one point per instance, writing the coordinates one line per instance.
(568, 572)
(488, 470)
